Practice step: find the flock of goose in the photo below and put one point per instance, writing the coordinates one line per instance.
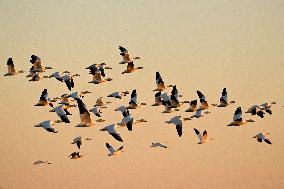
(170, 101)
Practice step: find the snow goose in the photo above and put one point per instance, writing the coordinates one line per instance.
(118, 94)
(262, 137)
(158, 144)
(86, 120)
(192, 106)
(178, 121)
(44, 100)
(77, 141)
(112, 151)
(125, 55)
(204, 103)
(75, 155)
(37, 64)
(133, 101)
(58, 75)
(256, 110)
(158, 99)
(131, 68)
(129, 121)
(237, 119)
(48, 125)
(203, 138)
(111, 129)
(224, 99)
(100, 102)
(11, 68)
(160, 83)
(62, 112)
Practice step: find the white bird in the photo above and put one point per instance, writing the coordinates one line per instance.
(158, 99)
(112, 151)
(267, 107)
(97, 110)
(129, 121)
(158, 144)
(75, 155)
(98, 74)
(160, 83)
(133, 104)
(125, 55)
(48, 125)
(204, 103)
(65, 99)
(178, 121)
(111, 129)
(36, 76)
(262, 137)
(86, 120)
(131, 68)
(45, 100)
(68, 80)
(11, 68)
(192, 106)
(78, 94)
(224, 99)
(123, 110)
(58, 75)
(77, 141)
(100, 102)
(256, 110)
(198, 113)
(237, 119)
(37, 64)
(166, 101)
(41, 162)
(62, 112)
(118, 94)
(202, 137)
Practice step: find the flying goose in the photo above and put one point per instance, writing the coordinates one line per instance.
(97, 111)
(11, 68)
(112, 151)
(192, 106)
(75, 155)
(65, 99)
(262, 137)
(41, 162)
(158, 144)
(123, 110)
(166, 102)
(178, 121)
(100, 66)
(131, 68)
(77, 141)
(202, 137)
(118, 94)
(256, 110)
(129, 121)
(160, 83)
(78, 94)
(237, 119)
(224, 99)
(125, 55)
(98, 74)
(267, 107)
(48, 125)
(204, 103)
(58, 75)
(37, 77)
(158, 99)
(86, 120)
(37, 64)
(111, 129)
(133, 101)
(44, 100)
(68, 80)
(62, 112)
(198, 113)
(100, 102)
